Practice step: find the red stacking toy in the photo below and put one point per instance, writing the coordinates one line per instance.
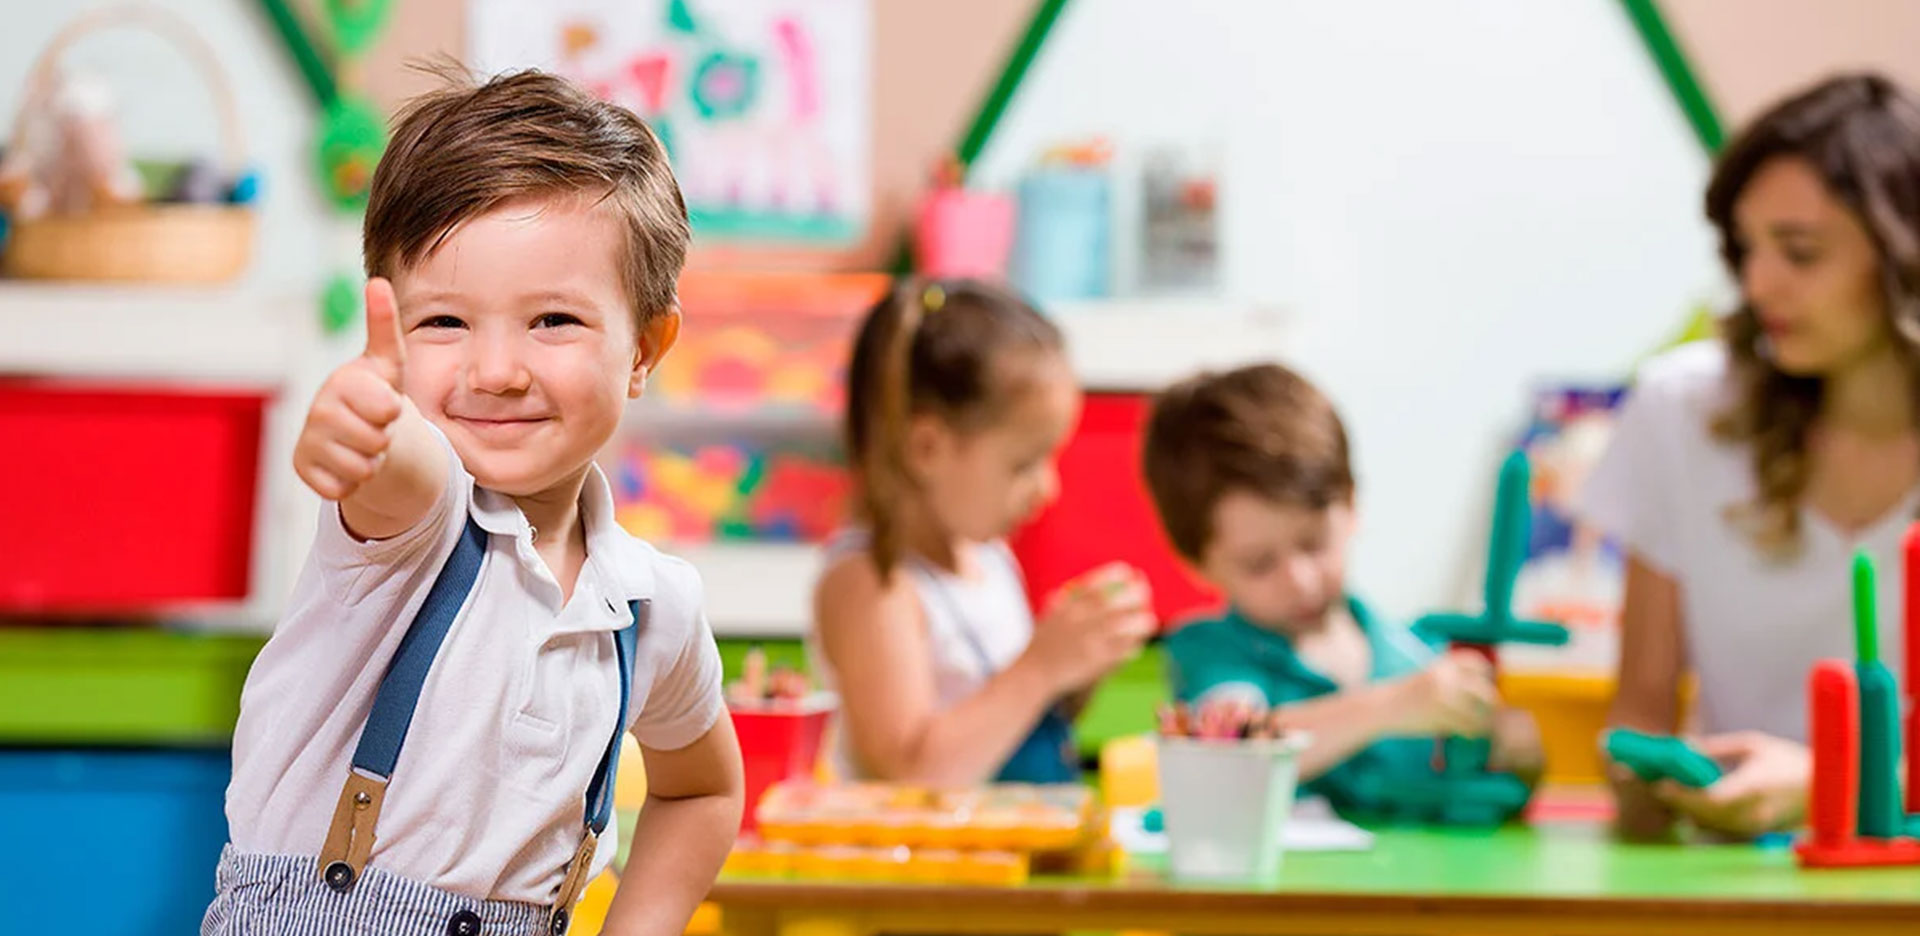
(1858, 817)
(1834, 698)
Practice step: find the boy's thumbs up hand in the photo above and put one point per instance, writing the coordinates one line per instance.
(385, 350)
(348, 429)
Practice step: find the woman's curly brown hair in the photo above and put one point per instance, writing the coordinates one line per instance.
(1861, 134)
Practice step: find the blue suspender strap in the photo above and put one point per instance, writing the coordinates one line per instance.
(600, 791)
(350, 838)
(399, 694)
(599, 804)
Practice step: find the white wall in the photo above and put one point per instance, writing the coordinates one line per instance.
(1453, 199)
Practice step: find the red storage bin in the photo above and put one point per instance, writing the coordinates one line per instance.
(118, 498)
(1104, 514)
(776, 746)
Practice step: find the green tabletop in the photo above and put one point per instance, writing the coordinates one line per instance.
(1562, 860)
(1566, 878)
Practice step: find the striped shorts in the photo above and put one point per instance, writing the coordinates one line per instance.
(282, 895)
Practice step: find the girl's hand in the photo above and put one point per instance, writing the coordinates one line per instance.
(1092, 625)
(1763, 790)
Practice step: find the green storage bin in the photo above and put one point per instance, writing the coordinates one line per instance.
(86, 686)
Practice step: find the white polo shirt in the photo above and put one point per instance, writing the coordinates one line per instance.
(488, 796)
(1753, 626)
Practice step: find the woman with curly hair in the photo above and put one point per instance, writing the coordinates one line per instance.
(1745, 472)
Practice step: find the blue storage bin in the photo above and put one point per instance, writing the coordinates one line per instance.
(1061, 235)
(110, 842)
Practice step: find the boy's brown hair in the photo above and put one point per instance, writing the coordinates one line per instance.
(465, 149)
(1262, 429)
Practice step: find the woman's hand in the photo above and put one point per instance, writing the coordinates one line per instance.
(1763, 790)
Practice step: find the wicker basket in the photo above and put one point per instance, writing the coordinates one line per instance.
(146, 242)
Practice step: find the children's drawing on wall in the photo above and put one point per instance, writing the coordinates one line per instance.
(763, 104)
(1572, 574)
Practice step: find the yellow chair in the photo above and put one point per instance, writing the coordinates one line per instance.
(1571, 709)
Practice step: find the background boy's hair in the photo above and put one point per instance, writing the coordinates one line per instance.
(465, 149)
(1262, 429)
(959, 349)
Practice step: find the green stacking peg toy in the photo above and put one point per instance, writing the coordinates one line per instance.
(1495, 624)
(1463, 792)
(1880, 809)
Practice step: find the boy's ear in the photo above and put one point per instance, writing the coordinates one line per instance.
(656, 338)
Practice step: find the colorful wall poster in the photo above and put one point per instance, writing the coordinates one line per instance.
(764, 104)
(1573, 574)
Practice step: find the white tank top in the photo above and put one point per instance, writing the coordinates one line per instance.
(975, 627)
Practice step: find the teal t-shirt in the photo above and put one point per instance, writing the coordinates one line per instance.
(1214, 653)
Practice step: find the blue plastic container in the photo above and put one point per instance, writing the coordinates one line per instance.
(110, 842)
(1062, 231)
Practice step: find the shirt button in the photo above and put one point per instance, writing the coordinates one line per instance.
(464, 923)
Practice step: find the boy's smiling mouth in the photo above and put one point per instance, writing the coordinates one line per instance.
(490, 427)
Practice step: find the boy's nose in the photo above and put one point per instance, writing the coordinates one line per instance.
(1303, 576)
(497, 367)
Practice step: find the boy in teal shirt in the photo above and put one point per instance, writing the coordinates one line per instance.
(1249, 472)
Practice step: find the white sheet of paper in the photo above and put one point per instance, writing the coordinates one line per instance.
(1312, 827)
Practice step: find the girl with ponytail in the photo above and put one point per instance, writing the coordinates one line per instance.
(959, 396)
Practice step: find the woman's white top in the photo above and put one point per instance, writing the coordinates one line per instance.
(1752, 626)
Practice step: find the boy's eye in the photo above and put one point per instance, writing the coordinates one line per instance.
(441, 321)
(556, 320)
(1801, 256)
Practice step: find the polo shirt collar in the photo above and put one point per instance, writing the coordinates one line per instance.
(616, 571)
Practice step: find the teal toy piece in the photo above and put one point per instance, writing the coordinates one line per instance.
(1474, 800)
(1880, 813)
(1653, 758)
(1466, 793)
(1506, 551)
